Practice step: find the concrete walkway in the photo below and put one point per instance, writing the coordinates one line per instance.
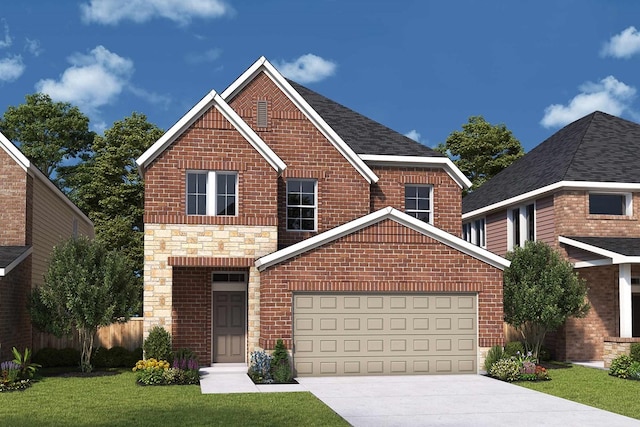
(429, 400)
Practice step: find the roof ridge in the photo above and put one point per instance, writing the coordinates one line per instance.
(591, 117)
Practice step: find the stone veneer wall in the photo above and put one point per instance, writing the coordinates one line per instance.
(616, 346)
(162, 241)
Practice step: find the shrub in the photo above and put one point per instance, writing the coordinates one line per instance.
(260, 367)
(158, 345)
(48, 357)
(544, 355)
(494, 354)
(119, 357)
(159, 372)
(513, 348)
(69, 357)
(506, 370)
(620, 366)
(634, 371)
(23, 360)
(100, 358)
(280, 366)
(635, 351)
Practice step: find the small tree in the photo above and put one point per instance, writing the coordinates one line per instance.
(85, 287)
(541, 291)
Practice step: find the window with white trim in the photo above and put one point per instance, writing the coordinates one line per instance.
(212, 193)
(418, 201)
(610, 204)
(475, 232)
(521, 225)
(301, 204)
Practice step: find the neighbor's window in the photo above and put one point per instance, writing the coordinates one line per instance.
(609, 204)
(417, 201)
(212, 193)
(474, 232)
(521, 225)
(301, 204)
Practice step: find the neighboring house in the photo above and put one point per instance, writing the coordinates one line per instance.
(272, 212)
(579, 192)
(34, 217)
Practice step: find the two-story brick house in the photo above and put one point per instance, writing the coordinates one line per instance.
(578, 191)
(35, 216)
(272, 212)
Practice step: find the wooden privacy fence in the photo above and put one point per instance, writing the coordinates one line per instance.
(127, 335)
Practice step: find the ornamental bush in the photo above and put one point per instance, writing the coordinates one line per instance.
(158, 345)
(513, 348)
(506, 370)
(620, 366)
(635, 351)
(494, 354)
(260, 367)
(634, 371)
(280, 366)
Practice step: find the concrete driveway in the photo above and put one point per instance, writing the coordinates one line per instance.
(451, 400)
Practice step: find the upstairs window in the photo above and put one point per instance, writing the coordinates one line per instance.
(418, 201)
(521, 225)
(301, 204)
(212, 193)
(474, 232)
(610, 204)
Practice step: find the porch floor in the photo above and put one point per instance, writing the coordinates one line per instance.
(232, 378)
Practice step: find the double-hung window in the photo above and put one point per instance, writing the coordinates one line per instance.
(521, 225)
(418, 202)
(474, 232)
(212, 193)
(301, 204)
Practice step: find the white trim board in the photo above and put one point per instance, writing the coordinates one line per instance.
(212, 99)
(560, 185)
(263, 65)
(373, 218)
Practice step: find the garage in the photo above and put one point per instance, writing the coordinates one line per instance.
(384, 333)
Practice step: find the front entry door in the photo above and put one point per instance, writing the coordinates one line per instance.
(229, 326)
(635, 315)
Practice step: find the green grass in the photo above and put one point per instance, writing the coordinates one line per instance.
(593, 387)
(117, 401)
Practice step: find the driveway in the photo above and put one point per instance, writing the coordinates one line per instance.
(451, 400)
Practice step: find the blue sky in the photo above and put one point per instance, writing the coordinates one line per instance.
(420, 67)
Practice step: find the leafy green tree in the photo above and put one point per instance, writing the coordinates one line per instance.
(49, 133)
(85, 287)
(109, 189)
(481, 150)
(541, 291)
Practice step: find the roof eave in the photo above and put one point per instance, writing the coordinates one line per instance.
(561, 185)
(614, 257)
(375, 217)
(420, 161)
(6, 270)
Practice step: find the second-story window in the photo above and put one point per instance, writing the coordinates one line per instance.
(521, 225)
(212, 193)
(418, 201)
(301, 204)
(610, 204)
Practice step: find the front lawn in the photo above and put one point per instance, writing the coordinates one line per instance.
(593, 387)
(117, 401)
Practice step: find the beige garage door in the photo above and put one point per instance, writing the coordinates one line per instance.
(384, 334)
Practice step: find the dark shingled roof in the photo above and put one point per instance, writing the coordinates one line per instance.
(627, 246)
(8, 254)
(363, 135)
(598, 148)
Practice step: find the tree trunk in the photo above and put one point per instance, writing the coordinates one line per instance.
(86, 340)
(533, 334)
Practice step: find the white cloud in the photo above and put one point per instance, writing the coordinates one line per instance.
(33, 47)
(623, 45)
(201, 57)
(6, 41)
(180, 11)
(151, 97)
(308, 68)
(608, 95)
(413, 134)
(11, 68)
(93, 80)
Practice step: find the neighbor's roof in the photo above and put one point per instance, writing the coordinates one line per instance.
(11, 256)
(598, 148)
(626, 246)
(362, 134)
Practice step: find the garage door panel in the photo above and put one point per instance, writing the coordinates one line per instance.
(375, 334)
(372, 365)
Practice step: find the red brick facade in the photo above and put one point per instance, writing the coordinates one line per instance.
(13, 215)
(15, 323)
(386, 257)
